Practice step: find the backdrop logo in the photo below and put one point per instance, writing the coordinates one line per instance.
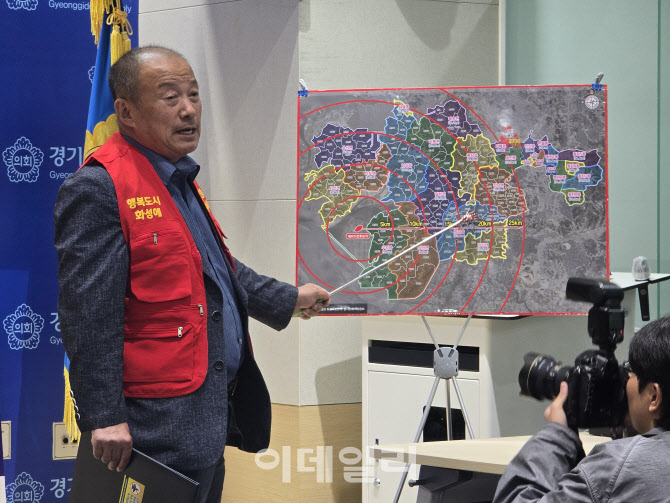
(25, 490)
(22, 4)
(23, 328)
(23, 161)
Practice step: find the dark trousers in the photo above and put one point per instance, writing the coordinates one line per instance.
(210, 480)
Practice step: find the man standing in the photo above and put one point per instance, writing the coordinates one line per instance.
(153, 307)
(551, 467)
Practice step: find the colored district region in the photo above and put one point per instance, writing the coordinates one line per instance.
(340, 185)
(340, 196)
(480, 150)
(494, 188)
(384, 244)
(407, 176)
(438, 196)
(453, 117)
(435, 142)
(476, 241)
(571, 172)
(509, 158)
(408, 276)
(341, 146)
(369, 177)
(478, 248)
(490, 184)
(467, 170)
(407, 164)
(416, 268)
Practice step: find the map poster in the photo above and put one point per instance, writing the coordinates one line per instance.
(381, 170)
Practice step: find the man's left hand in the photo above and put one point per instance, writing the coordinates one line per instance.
(311, 299)
(555, 412)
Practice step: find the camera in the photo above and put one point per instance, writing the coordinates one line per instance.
(596, 382)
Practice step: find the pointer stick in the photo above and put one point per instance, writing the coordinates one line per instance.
(468, 217)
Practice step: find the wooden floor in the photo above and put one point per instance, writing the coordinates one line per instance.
(303, 462)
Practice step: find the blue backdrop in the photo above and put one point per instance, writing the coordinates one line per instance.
(46, 67)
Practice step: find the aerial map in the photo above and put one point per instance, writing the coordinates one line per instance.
(382, 170)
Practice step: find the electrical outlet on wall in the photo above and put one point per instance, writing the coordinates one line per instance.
(63, 447)
(6, 440)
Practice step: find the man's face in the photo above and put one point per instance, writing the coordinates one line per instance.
(167, 117)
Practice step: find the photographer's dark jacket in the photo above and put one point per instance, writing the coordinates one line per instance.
(551, 468)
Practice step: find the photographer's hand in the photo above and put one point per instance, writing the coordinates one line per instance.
(555, 413)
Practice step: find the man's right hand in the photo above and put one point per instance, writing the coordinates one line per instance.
(555, 412)
(113, 446)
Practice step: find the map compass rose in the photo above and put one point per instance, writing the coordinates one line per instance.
(592, 101)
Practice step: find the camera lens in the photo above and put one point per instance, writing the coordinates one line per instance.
(541, 376)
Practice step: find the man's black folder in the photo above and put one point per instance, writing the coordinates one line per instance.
(145, 480)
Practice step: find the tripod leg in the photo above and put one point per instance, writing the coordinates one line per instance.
(465, 413)
(447, 415)
(424, 418)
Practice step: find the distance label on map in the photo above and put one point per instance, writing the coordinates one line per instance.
(379, 171)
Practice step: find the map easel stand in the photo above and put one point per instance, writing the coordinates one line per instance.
(445, 366)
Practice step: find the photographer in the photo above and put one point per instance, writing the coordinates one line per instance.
(551, 467)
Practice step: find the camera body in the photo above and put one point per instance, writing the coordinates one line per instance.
(596, 387)
(596, 382)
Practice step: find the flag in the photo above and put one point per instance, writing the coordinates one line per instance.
(110, 27)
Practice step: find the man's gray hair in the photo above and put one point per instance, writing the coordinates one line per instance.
(123, 78)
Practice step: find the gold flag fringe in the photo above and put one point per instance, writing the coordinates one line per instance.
(120, 41)
(69, 417)
(98, 10)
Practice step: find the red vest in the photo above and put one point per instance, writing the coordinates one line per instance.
(165, 342)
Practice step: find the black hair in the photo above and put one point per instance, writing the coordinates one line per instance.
(124, 74)
(649, 357)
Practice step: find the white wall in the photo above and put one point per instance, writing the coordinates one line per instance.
(350, 44)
